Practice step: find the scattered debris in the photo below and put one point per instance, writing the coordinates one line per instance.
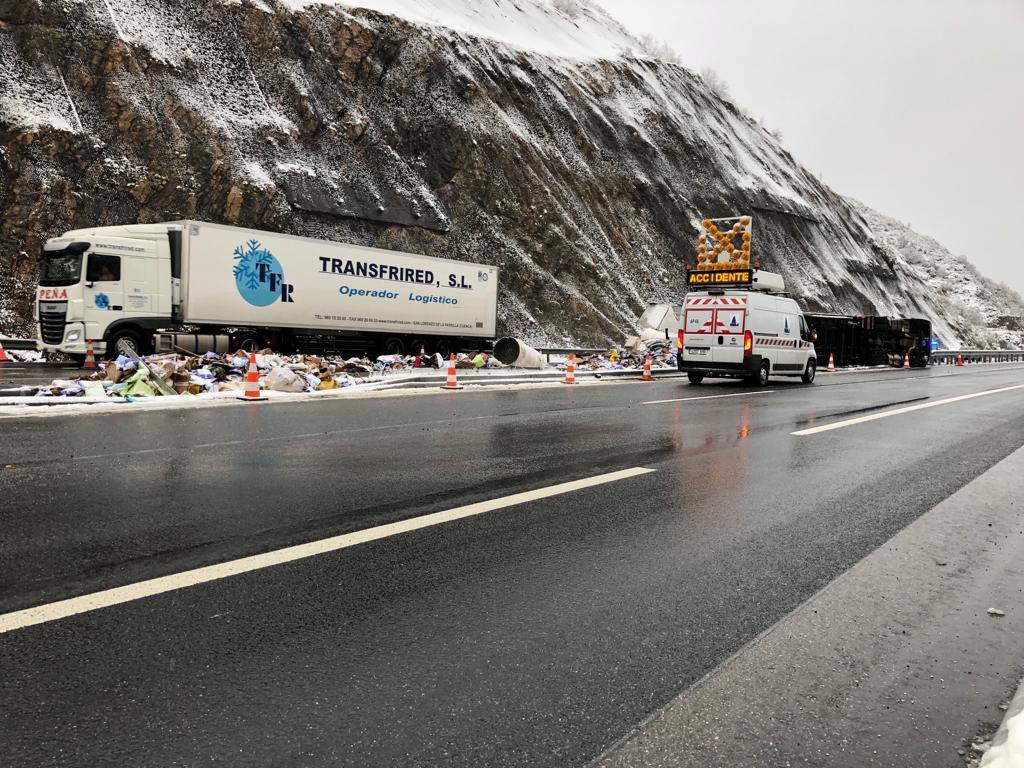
(996, 612)
(630, 356)
(188, 374)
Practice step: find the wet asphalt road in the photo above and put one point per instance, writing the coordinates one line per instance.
(14, 375)
(536, 634)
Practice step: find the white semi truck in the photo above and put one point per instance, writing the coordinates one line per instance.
(207, 287)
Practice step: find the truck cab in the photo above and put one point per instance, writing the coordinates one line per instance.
(108, 285)
(751, 334)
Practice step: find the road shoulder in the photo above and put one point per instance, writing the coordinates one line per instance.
(896, 662)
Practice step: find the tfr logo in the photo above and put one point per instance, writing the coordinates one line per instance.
(259, 277)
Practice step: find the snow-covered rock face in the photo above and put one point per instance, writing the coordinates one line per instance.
(570, 28)
(582, 178)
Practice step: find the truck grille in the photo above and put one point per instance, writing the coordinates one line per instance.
(51, 325)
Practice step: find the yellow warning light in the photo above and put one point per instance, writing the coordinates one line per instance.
(746, 237)
(744, 220)
(730, 247)
(707, 224)
(737, 227)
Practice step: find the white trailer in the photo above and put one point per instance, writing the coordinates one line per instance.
(212, 287)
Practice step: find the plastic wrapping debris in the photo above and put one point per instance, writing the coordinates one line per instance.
(138, 384)
(312, 381)
(93, 388)
(281, 379)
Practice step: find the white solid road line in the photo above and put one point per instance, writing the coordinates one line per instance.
(109, 597)
(709, 397)
(898, 411)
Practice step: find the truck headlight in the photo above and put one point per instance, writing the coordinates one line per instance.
(73, 336)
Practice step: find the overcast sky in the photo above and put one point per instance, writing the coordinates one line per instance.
(916, 107)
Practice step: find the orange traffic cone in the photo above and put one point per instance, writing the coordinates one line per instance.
(906, 359)
(90, 356)
(252, 382)
(3, 355)
(453, 380)
(647, 370)
(570, 371)
(959, 359)
(831, 363)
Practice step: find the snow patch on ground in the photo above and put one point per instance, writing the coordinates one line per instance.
(1009, 752)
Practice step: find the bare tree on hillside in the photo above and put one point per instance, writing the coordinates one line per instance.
(716, 82)
(658, 49)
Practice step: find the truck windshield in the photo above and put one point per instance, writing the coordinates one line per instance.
(61, 269)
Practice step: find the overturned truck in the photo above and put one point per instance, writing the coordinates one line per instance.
(871, 340)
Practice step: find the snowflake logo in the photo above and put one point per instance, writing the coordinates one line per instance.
(258, 275)
(246, 270)
(102, 301)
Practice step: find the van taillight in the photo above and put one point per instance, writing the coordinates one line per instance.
(748, 342)
(680, 342)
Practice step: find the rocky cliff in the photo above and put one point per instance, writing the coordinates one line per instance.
(583, 178)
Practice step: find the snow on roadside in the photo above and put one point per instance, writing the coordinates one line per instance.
(1007, 750)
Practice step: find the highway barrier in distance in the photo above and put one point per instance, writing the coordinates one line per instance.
(972, 356)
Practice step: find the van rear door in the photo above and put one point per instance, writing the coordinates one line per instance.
(729, 326)
(698, 328)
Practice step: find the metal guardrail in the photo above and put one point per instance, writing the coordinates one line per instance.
(973, 356)
(23, 345)
(549, 351)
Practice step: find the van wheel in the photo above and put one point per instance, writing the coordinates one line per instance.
(695, 378)
(761, 379)
(809, 371)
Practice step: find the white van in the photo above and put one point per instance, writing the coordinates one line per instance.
(744, 333)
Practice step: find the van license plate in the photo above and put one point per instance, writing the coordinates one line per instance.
(696, 351)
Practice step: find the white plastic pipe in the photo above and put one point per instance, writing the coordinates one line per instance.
(518, 354)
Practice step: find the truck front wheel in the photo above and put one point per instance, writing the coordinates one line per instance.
(123, 342)
(695, 378)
